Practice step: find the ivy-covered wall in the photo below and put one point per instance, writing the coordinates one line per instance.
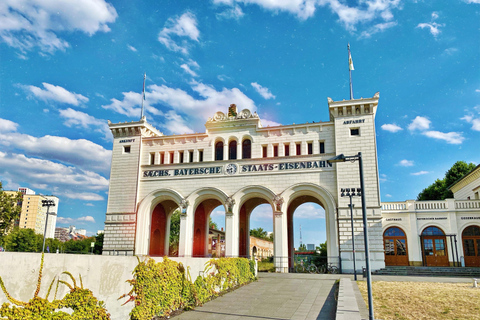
(105, 276)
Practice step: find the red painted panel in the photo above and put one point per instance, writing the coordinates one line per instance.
(158, 231)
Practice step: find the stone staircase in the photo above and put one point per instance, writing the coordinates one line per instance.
(471, 272)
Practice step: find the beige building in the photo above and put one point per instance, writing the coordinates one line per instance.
(33, 215)
(239, 164)
(435, 233)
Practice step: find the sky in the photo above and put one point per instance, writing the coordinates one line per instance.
(66, 67)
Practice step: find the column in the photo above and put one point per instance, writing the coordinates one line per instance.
(186, 226)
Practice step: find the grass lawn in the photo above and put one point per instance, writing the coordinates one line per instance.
(423, 300)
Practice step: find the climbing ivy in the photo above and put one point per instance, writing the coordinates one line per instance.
(84, 305)
(158, 289)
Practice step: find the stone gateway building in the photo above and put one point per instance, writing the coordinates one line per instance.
(239, 164)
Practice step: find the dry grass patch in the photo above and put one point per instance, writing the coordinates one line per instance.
(423, 300)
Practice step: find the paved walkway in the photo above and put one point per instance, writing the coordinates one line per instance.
(274, 297)
(277, 296)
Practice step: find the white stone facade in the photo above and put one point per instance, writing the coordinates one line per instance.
(286, 166)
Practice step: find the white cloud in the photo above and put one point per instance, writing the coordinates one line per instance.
(449, 137)
(55, 177)
(264, 92)
(391, 127)
(349, 16)
(388, 195)
(450, 51)
(56, 93)
(433, 26)
(177, 31)
(234, 12)
(187, 67)
(473, 1)
(72, 221)
(75, 152)
(7, 125)
(25, 24)
(379, 27)
(383, 177)
(131, 48)
(419, 123)
(309, 211)
(420, 173)
(475, 122)
(269, 123)
(80, 119)
(176, 124)
(406, 163)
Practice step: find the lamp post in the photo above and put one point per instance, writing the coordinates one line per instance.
(342, 158)
(351, 193)
(48, 204)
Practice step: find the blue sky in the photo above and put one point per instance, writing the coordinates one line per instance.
(68, 66)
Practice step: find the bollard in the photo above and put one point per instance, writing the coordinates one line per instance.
(364, 272)
(475, 283)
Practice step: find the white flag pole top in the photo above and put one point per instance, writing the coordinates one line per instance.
(143, 93)
(350, 68)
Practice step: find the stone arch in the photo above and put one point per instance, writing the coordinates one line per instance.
(144, 216)
(249, 198)
(203, 201)
(308, 192)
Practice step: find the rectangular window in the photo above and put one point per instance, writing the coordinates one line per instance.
(162, 157)
(310, 148)
(171, 157)
(287, 150)
(126, 149)
(200, 155)
(354, 131)
(190, 156)
(322, 147)
(275, 150)
(299, 148)
(180, 156)
(152, 158)
(264, 151)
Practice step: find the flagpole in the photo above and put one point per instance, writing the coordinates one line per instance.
(350, 68)
(143, 94)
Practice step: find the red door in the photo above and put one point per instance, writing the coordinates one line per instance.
(434, 247)
(471, 246)
(395, 245)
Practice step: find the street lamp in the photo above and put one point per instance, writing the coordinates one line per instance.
(342, 158)
(48, 204)
(351, 193)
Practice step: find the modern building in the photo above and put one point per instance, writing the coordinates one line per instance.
(239, 164)
(33, 215)
(70, 233)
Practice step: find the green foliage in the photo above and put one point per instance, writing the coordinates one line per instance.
(10, 208)
(439, 189)
(160, 288)
(261, 234)
(23, 240)
(84, 305)
(323, 249)
(212, 225)
(98, 248)
(174, 233)
(302, 247)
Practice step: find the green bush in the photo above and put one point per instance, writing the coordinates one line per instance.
(160, 288)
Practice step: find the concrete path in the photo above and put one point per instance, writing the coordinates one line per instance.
(274, 297)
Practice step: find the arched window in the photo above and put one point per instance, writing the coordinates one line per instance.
(232, 150)
(246, 149)
(219, 150)
(432, 231)
(395, 245)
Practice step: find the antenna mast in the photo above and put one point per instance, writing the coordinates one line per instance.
(143, 94)
(300, 236)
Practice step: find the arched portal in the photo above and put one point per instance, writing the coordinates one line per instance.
(160, 228)
(434, 247)
(395, 244)
(298, 203)
(244, 224)
(201, 226)
(471, 246)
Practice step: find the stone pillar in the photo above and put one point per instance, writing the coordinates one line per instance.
(230, 227)
(186, 226)
(280, 236)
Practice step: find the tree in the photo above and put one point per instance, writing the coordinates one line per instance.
(98, 244)
(174, 233)
(260, 233)
(302, 247)
(10, 209)
(439, 189)
(323, 249)
(212, 225)
(23, 240)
